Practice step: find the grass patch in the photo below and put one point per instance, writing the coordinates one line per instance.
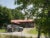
(33, 31)
(11, 36)
(2, 30)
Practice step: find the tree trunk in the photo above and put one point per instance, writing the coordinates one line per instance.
(39, 32)
(48, 35)
(45, 34)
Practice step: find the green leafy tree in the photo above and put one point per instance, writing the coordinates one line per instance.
(17, 14)
(43, 23)
(5, 15)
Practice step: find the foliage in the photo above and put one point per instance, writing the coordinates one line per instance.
(17, 14)
(6, 15)
(43, 17)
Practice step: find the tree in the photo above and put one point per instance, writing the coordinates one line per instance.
(17, 14)
(5, 15)
(44, 19)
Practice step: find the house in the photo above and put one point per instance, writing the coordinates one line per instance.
(23, 23)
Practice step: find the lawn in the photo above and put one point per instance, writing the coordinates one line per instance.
(12, 36)
(2, 30)
(33, 31)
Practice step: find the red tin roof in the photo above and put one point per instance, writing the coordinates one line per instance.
(19, 21)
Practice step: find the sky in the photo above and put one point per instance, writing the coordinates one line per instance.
(8, 3)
